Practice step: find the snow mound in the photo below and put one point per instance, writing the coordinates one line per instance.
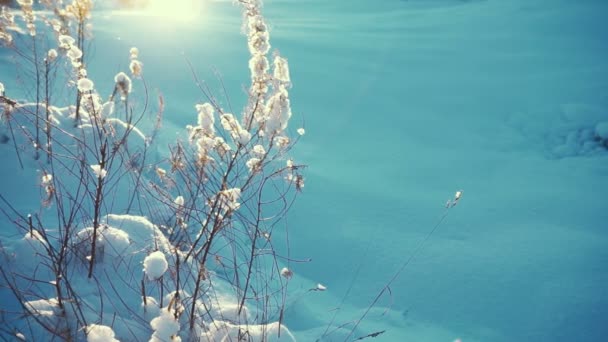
(141, 231)
(114, 242)
(601, 130)
(570, 130)
(225, 331)
(32, 244)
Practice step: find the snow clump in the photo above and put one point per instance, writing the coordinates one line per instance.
(165, 327)
(100, 333)
(155, 265)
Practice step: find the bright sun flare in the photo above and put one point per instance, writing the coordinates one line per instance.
(173, 9)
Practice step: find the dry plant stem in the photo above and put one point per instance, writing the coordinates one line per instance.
(97, 206)
(47, 101)
(37, 142)
(386, 287)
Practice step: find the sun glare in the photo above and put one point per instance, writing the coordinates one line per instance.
(174, 10)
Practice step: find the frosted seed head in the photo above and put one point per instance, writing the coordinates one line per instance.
(457, 195)
(134, 53)
(74, 53)
(47, 178)
(253, 164)
(136, 68)
(281, 70)
(66, 42)
(286, 273)
(85, 85)
(123, 83)
(51, 55)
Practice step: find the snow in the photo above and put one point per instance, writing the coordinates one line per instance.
(258, 151)
(253, 164)
(228, 199)
(226, 331)
(155, 265)
(43, 307)
(233, 127)
(278, 111)
(501, 99)
(99, 171)
(151, 308)
(601, 129)
(113, 241)
(206, 118)
(100, 333)
(165, 327)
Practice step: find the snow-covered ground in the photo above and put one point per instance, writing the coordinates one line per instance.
(404, 103)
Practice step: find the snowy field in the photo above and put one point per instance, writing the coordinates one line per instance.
(404, 102)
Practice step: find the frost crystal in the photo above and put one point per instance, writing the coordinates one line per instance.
(85, 85)
(278, 111)
(281, 69)
(155, 265)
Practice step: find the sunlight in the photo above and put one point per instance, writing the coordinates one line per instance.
(174, 10)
